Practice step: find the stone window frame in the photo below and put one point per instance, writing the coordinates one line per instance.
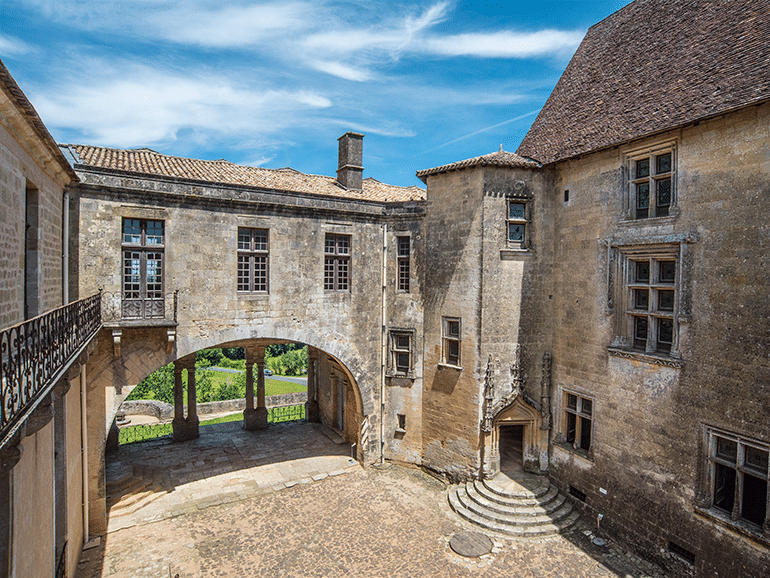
(652, 180)
(337, 250)
(524, 220)
(451, 340)
(403, 252)
(712, 460)
(622, 255)
(395, 348)
(581, 416)
(142, 245)
(254, 254)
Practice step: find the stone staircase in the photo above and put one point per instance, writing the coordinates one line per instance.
(506, 506)
(131, 487)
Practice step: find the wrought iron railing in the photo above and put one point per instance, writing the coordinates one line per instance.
(35, 354)
(118, 307)
(286, 413)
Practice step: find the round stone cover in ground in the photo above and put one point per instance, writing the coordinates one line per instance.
(471, 544)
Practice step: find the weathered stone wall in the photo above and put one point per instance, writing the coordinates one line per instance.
(501, 292)
(18, 172)
(647, 462)
(516, 290)
(201, 262)
(404, 312)
(33, 514)
(74, 474)
(451, 283)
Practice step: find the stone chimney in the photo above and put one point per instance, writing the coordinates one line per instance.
(349, 173)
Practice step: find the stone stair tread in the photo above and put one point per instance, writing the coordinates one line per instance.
(517, 519)
(549, 503)
(128, 499)
(146, 500)
(514, 499)
(502, 490)
(512, 520)
(115, 492)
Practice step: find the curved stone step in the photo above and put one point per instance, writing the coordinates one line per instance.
(520, 531)
(517, 499)
(125, 490)
(514, 518)
(137, 502)
(550, 502)
(501, 490)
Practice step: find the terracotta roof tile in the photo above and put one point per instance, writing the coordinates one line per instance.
(652, 66)
(500, 158)
(151, 163)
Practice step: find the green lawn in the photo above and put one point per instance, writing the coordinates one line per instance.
(144, 432)
(272, 386)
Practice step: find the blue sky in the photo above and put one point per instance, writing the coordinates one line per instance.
(275, 84)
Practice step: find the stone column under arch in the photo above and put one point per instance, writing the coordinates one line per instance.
(185, 428)
(255, 418)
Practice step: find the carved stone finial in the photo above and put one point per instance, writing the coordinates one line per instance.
(517, 376)
(489, 394)
(545, 392)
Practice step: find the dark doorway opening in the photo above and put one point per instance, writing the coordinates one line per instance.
(511, 447)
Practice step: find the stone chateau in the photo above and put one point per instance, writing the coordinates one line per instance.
(596, 302)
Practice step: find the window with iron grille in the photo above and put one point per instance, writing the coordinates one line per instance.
(253, 260)
(451, 339)
(651, 183)
(143, 249)
(578, 421)
(739, 471)
(337, 262)
(403, 263)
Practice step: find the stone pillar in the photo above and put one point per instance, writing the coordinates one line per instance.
(255, 418)
(311, 405)
(192, 404)
(185, 429)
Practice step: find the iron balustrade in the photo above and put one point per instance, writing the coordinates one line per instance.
(37, 353)
(117, 307)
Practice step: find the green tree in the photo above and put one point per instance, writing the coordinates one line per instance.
(212, 356)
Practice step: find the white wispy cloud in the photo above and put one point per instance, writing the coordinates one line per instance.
(504, 44)
(10, 46)
(232, 26)
(148, 106)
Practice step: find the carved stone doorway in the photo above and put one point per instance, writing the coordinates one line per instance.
(511, 447)
(517, 439)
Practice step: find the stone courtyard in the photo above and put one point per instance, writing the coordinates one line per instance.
(299, 507)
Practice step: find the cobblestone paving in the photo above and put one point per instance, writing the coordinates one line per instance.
(393, 522)
(227, 464)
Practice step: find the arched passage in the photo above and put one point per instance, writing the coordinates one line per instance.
(337, 399)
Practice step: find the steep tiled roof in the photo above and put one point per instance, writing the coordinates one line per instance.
(496, 159)
(149, 162)
(652, 66)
